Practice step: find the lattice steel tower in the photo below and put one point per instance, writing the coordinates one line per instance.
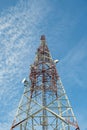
(44, 104)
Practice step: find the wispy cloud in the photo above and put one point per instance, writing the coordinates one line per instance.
(72, 64)
(4, 126)
(20, 26)
(18, 31)
(73, 72)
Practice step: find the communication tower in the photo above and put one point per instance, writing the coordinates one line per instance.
(44, 104)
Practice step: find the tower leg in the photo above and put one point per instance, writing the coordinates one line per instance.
(25, 125)
(20, 126)
(68, 127)
(44, 123)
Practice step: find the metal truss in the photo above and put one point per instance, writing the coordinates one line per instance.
(44, 104)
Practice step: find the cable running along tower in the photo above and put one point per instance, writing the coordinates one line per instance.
(44, 104)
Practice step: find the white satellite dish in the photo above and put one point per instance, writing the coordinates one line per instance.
(56, 61)
(23, 80)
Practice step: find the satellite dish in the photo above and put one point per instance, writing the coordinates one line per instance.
(23, 80)
(56, 61)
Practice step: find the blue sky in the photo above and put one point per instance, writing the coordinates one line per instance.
(65, 25)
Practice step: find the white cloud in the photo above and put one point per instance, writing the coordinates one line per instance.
(4, 126)
(4, 26)
(18, 40)
(72, 64)
(18, 30)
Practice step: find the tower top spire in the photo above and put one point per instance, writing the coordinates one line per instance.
(43, 40)
(43, 37)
